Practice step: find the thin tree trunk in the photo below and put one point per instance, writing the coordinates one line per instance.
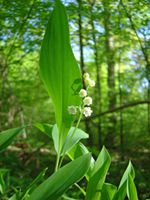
(111, 73)
(87, 127)
(147, 63)
(121, 128)
(24, 134)
(98, 82)
(81, 37)
(121, 115)
(3, 95)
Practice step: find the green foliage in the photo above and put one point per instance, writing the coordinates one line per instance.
(6, 137)
(74, 136)
(59, 70)
(45, 128)
(98, 175)
(122, 189)
(108, 191)
(62, 79)
(78, 150)
(131, 189)
(60, 181)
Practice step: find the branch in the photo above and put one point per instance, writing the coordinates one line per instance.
(119, 108)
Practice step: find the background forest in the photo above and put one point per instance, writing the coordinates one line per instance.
(110, 40)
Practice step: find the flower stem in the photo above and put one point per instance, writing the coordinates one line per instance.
(78, 122)
(80, 188)
(57, 162)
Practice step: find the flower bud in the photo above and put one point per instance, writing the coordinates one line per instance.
(91, 83)
(87, 81)
(86, 75)
(72, 110)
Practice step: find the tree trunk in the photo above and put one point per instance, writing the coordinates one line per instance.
(121, 131)
(98, 82)
(147, 62)
(87, 127)
(109, 47)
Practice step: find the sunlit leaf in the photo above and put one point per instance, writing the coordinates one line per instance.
(59, 70)
(108, 191)
(78, 150)
(73, 138)
(131, 189)
(61, 180)
(122, 189)
(129, 170)
(98, 175)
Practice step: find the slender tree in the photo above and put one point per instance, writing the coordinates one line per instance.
(80, 28)
(146, 59)
(110, 52)
(98, 79)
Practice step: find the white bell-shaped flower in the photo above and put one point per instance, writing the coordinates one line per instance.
(87, 111)
(87, 101)
(83, 93)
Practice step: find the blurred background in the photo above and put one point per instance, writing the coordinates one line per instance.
(110, 40)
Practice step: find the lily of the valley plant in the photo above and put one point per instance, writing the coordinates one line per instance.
(62, 79)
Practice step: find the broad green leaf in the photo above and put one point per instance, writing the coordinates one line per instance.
(60, 181)
(6, 137)
(73, 138)
(108, 191)
(78, 150)
(131, 189)
(45, 128)
(98, 175)
(129, 170)
(122, 189)
(59, 69)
